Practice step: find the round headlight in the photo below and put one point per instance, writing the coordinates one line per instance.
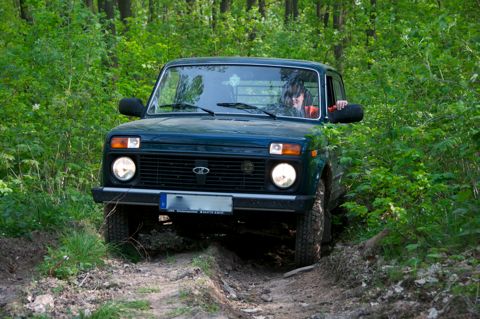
(124, 168)
(284, 175)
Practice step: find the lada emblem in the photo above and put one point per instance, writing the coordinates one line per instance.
(200, 170)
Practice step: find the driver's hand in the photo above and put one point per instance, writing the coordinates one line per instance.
(341, 104)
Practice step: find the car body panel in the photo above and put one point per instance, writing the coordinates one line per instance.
(200, 137)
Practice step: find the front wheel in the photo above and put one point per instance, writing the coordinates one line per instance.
(309, 232)
(119, 224)
(124, 222)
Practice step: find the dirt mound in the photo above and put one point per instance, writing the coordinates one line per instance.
(18, 258)
(222, 282)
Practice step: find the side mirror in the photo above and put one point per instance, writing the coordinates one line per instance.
(131, 107)
(350, 114)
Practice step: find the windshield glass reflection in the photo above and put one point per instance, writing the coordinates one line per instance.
(238, 89)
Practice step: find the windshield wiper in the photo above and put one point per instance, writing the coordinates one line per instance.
(188, 106)
(245, 106)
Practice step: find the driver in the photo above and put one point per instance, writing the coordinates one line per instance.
(299, 100)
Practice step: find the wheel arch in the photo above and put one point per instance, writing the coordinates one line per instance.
(327, 177)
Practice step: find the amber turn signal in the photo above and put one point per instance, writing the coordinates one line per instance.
(285, 149)
(125, 142)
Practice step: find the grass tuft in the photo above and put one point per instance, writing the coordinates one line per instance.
(205, 263)
(79, 250)
(116, 310)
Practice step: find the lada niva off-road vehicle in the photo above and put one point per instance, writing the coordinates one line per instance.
(228, 144)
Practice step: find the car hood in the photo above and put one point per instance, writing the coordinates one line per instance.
(212, 127)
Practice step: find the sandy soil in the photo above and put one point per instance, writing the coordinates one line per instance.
(222, 278)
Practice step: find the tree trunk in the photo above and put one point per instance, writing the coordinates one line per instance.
(152, 12)
(291, 10)
(323, 12)
(250, 4)
(371, 31)
(108, 8)
(262, 8)
(288, 10)
(89, 4)
(252, 34)
(225, 6)
(338, 23)
(125, 7)
(295, 9)
(214, 14)
(101, 5)
(24, 12)
(326, 16)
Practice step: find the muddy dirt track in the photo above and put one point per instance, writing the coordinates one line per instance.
(241, 277)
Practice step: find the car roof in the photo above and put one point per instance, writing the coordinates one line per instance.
(251, 61)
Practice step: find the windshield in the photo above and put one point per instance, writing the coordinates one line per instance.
(274, 91)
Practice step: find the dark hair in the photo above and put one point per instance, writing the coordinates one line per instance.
(294, 88)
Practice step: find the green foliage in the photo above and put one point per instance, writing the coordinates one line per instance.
(53, 88)
(414, 160)
(106, 311)
(78, 251)
(148, 290)
(116, 310)
(136, 304)
(205, 263)
(22, 211)
(179, 311)
(201, 299)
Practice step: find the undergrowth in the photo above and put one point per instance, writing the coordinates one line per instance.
(116, 310)
(78, 251)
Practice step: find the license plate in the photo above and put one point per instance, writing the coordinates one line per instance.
(196, 204)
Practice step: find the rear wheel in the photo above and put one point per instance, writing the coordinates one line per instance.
(310, 226)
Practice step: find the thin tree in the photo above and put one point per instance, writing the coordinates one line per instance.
(338, 24)
(152, 11)
(262, 8)
(214, 14)
(89, 4)
(252, 34)
(107, 7)
(323, 11)
(225, 6)
(125, 7)
(24, 11)
(291, 10)
(371, 30)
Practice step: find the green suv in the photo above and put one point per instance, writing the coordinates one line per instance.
(228, 145)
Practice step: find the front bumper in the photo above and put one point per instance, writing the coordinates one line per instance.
(257, 202)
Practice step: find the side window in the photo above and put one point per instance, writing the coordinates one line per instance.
(166, 92)
(330, 92)
(338, 89)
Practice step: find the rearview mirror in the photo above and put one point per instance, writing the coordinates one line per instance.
(131, 107)
(350, 114)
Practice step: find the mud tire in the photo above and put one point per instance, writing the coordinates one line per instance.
(310, 231)
(118, 226)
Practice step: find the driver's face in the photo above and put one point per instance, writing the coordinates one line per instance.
(297, 101)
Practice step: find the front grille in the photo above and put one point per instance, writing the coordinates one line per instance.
(225, 174)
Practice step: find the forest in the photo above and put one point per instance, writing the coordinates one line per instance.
(413, 64)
